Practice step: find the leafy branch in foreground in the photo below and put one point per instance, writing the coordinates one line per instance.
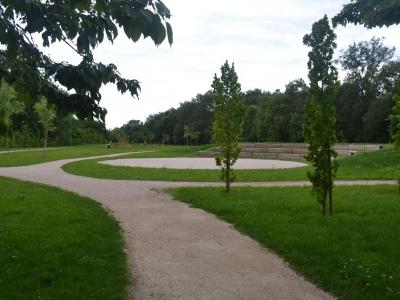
(319, 129)
(370, 13)
(80, 25)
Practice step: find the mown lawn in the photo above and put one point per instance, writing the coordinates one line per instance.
(354, 254)
(35, 157)
(58, 245)
(382, 165)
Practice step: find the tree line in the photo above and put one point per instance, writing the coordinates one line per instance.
(25, 123)
(363, 104)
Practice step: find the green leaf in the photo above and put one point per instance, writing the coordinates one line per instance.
(83, 43)
(136, 34)
(170, 33)
(147, 14)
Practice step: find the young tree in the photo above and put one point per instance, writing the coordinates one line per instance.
(319, 129)
(81, 26)
(9, 106)
(46, 117)
(165, 139)
(194, 136)
(228, 120)
(189, 134)
(396, 118)
(186, 134)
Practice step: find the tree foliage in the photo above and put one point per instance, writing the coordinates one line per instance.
(228, 120)
(365, 98)
(319, 129)
(278, 116)
(46, 117)
(396, 117)
(370, 13)
(363, 104)
(190, 135)
(9, 106)
(81, 25)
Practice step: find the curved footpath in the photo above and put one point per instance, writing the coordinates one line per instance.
(178, 252)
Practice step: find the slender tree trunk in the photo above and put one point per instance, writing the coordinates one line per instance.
(330, 187)
(7, 146)
(228, 165)
(228, 173)
(330, 201)
(70, 134)
(45, 139)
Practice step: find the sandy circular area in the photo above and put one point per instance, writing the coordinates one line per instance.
(201, 163)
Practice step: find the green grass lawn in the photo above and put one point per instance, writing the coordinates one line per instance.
(57, 245)
(354, 254)
(384, 164)
(35, 157)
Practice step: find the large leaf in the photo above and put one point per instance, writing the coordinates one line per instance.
(170, 33)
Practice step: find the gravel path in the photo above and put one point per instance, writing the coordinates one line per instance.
(177, 252)
(201, 163)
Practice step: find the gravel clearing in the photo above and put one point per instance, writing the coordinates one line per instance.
(201, 163)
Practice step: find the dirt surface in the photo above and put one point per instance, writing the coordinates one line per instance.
(201, 163)
(177, 252)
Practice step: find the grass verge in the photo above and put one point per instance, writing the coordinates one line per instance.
(58, 245)
(380, 165)
(353, 254)
(35, 157)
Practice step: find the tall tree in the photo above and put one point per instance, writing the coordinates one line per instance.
(46, 117)
(249, 124)
(364, 62)
(9, 106)
(81, 26)
(396, 118)
(319, 129)
(362, 90)
(228, 120)
(370, 13)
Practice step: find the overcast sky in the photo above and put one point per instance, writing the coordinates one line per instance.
(262, 37)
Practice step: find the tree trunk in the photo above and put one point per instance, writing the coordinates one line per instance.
(7, 146)
(330, 187)
(228, 174)
(330, 201)
(45, 139)
(70, 133)
(228, 164)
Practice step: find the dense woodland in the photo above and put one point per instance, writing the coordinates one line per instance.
(26, 131)
(363, 103)
(363, 106)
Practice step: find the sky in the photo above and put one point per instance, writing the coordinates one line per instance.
(262, 37)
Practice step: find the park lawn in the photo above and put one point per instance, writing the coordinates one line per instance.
(58, 245)
(35, 157)
(380, 165)
(353, 255)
